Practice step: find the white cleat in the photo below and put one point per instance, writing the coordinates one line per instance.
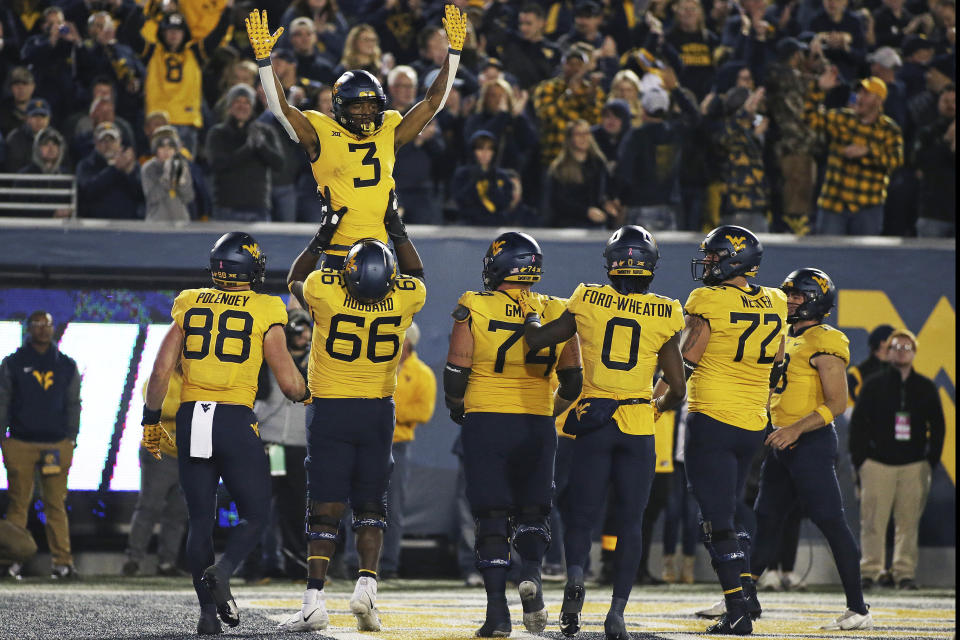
(713, 612)
(770, 581)
(535, 620)
(793, 582)
(363, 604)
(850, 620)
(312, 617)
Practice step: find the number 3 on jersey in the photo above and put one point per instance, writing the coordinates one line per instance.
(369, 159)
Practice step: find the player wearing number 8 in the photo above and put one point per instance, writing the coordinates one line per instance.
(501, 391)
(221, 335)
(625, 334)
(732, 347)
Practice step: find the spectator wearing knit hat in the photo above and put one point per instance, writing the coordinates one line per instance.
(166, 179)
(863, 148)
(242, 153)
(49, 158)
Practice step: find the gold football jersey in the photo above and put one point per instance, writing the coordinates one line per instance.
(356, 347)
(223, 342)
(507, 376)
(359, 172)
(732, 381)
(620, 337)
(799, 391)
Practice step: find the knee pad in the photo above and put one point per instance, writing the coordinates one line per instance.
(321, 526)
(369, 514)
(532, 521)
(724, 546)
(493, 538)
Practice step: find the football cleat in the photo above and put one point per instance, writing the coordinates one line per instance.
(15, 571)
(64, 572)
(753, 607)
(312, 617)
(793, 582)
(534, 611)
(218, 584)
(728, 625)
(496, 624)
(850, 620)
(713, 612)
(363, 604)
(770, 581)
(573, 596)
(614, 628)
(208, 625)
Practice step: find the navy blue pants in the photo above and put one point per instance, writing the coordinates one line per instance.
(601, 457)
(349, 446)
(561, 481)
(718, 457)
(239, 459)
(806, 473)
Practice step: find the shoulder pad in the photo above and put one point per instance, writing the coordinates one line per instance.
(461, 313)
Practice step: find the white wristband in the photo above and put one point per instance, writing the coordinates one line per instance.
(273, 101)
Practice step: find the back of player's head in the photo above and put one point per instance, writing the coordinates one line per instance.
(630, 257)
(236, 259)
(358, 86)
(738, 253)
(369, 271)
(512, 257)
(818, 290)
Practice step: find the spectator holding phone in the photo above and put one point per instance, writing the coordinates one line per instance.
(167, 184)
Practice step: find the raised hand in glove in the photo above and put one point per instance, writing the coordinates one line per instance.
(393, 222)
(154, 433)
(329, 221)
(259, 34)
(524, 301)
(455, 22)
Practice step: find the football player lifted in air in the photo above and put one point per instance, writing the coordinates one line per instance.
(811, 392)
(625, 333)
(220, 335)
(732, 347)
(500, 390)
(353, 153)
(361, 314)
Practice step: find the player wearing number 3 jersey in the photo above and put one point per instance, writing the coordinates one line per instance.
(625, 333)
(361, 314)
(499, 389)
(733, 350)
(221, 335)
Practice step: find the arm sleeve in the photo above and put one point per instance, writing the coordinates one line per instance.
(73, 405)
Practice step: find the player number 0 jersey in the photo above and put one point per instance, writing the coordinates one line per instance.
(800, 391)
(359, 172)
(223, 342)
(620, 338)
(732, 380)
(356, 347)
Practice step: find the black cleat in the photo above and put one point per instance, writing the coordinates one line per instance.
(208, 625)
(497, 623)
(753, 607)
(614, 628)
(728, 625)
(573, 596)
(218, 584)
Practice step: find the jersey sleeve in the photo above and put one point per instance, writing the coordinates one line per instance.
(419, 296)
(180, 307)
(676, 318)
(313, 290)
(832, 342)
(391, 119)
(575, 300)
(554, 308)
(698, 303)
(276, 312)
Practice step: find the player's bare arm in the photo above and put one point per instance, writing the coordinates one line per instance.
(275, 352)
(570, 374)
(671, 364)
(693, 342)
(290, 118)
(833, 378)
(455, 23)
(163, 366)
(554, 332)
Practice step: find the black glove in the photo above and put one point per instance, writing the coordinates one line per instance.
(393, 223)
(457, 414)
(329, 221)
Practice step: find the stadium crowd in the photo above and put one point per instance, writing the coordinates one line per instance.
(797, 116)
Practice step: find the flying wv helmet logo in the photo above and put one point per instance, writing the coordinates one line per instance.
(822, 282)
(581, 409)
(253, 250)
(44, 378)
(497, 247)
(351, 265)
(739, 242)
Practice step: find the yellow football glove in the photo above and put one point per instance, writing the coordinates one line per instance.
(259, 34)
(524, 301)
(153, 434)
(455, 22)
